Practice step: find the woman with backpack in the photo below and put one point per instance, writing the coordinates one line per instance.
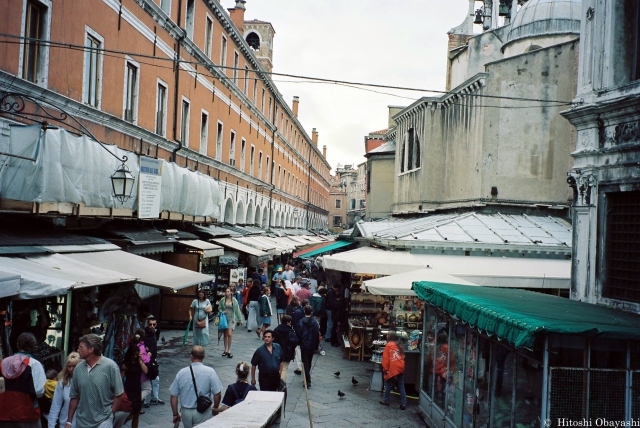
(265, 310)
(237, 392)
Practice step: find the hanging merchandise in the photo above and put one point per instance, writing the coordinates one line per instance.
(120, 313)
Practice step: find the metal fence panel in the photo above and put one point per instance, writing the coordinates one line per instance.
(576, 393)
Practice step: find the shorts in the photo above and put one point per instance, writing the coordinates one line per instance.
(281, 311)
(266, 320)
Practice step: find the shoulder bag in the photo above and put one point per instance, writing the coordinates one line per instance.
(203, 403)
(200, 323)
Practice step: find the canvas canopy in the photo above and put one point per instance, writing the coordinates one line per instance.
(329, 246)
(503, 271)
(519, 316)
(400, 284)
(9, 284)
(372, 261)
(147, 271)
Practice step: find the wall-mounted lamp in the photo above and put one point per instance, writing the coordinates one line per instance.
(122, 182)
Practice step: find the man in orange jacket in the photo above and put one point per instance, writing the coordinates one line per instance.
(393, 368)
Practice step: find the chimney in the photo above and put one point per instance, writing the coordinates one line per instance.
(237, 14)
(314, 136)
(294, 105)
(324, 152)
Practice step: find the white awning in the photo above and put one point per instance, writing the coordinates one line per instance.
(400, 284)
(238, 246)
(147, 271)
(299, 239)
(209, 249)
(55, 274)
(313, 239)
(372, 261)
(259, 245)
(9, 284)
(282, 244)
(508, 272)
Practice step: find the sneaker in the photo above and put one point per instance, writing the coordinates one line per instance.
(145, 405)
(298, 372)
(402, 407)
(309, 385)
(157, 402)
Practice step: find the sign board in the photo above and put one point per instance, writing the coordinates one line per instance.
(150, 187)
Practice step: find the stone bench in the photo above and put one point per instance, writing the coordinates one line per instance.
(259, 409)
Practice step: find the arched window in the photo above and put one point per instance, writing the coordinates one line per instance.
(253, 40)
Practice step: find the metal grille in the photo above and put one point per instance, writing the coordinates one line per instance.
(575, 394)
(623, 246)
(635, 395)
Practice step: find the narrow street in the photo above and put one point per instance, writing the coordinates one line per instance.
(359, 407)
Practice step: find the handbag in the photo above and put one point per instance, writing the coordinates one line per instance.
(203, 403)
(153, 370)
(201, 323)
(223, 324)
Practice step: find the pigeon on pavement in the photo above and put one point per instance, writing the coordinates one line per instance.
(337, 374)
(354, 381)
(341, 394)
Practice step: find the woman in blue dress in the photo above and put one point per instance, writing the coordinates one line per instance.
(200, 319)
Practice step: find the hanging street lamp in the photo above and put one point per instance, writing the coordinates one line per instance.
(122, 182)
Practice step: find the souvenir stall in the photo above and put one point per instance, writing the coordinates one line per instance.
(405, 312)
(496, 357)
(367, 313)
(194, 255)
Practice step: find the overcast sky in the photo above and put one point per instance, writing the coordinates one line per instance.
(390, 42)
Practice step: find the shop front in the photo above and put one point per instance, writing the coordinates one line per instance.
(496, 357)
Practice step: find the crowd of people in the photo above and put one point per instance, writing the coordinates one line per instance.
(92, 390)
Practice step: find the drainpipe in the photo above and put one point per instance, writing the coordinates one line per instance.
(176, 94)
(309, 189)
(273, 171)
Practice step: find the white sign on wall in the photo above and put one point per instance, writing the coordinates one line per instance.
(150, 187)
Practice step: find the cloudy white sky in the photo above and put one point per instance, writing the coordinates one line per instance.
(390, 42)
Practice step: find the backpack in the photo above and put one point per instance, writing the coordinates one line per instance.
(239, 398)
(307, 341)
(281, 298)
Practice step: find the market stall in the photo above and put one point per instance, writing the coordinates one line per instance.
(504, 357)
(197, 256)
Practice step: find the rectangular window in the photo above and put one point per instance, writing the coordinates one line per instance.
(252, 156)
(236, 60)
(219, 142)
(246, 80)
(279, 168)
(131, 92)
(286, 130)
(270, 112)
(184, 122)
(243, 152)
(161, 109)
(262, 105)
(92, 71)
(208, 36)
(223, 52)
(622, 246)
(338, 203)
(267, 177)
(204, 132)
(165, 5)
(190, 19)
(260, 166)
(255, 90)
(232, 149)
(33, 29)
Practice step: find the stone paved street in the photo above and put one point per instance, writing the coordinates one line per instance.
(358, 408)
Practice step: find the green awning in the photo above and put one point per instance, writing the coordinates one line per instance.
(326, 249)
(518, 316)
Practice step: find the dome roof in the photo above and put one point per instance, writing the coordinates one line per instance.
(546, 17)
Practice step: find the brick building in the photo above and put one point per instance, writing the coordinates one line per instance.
(182, 80)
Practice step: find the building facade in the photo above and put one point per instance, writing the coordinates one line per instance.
(184, 81)
(497, 137)
(337, 203)
(605, 176)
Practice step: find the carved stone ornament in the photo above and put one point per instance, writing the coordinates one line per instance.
(582, 185)
(622, 133)
(590, 12)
